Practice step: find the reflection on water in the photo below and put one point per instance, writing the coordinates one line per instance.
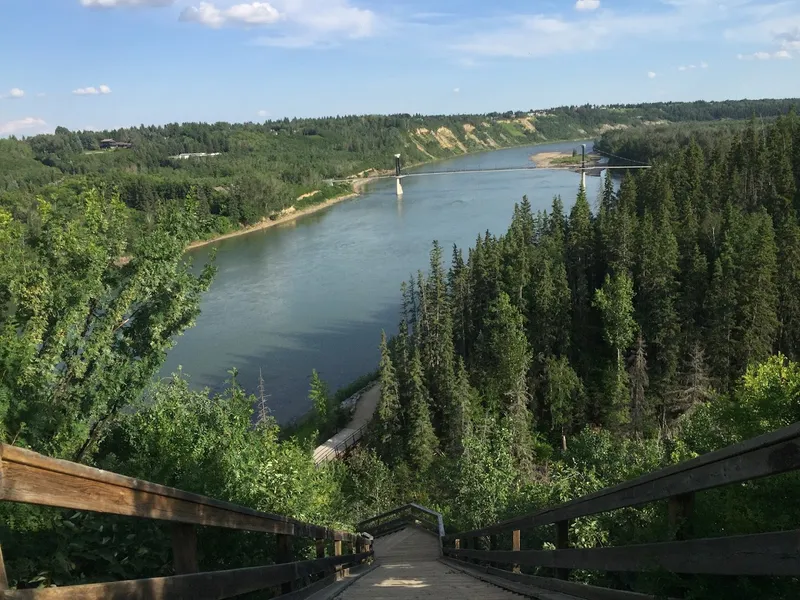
(315, 293)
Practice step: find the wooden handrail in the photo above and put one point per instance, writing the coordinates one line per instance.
(31, 478)
(379, 526)
(769, 454)
(771, 554)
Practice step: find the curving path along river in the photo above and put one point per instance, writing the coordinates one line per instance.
(316, 292)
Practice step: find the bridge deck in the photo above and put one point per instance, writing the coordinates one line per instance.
(409, 567)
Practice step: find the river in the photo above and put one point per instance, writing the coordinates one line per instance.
(316, 293)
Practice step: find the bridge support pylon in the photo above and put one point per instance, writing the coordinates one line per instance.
(583, 180)
(399, 188)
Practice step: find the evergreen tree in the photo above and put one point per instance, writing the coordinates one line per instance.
(615, 302)
(580, 241)
(421, 440)
(639, 381)
(389, 421)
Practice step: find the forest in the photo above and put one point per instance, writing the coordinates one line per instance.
(262, 168)
(580, 348)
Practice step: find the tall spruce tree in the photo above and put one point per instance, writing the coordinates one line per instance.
(421, 440)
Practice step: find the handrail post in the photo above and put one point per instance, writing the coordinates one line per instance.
(562, 542)
(184, 549)
(320, 547)
(474, 545)
(285, 555)
(337, 551)
(3, 576)
(515, 547)
(493, 546)
(680, 509)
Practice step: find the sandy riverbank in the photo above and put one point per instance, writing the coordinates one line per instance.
(557, 159)
(288, 215)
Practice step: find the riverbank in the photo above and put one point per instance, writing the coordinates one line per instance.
(288, 215)
(358, 187)
(563, 159)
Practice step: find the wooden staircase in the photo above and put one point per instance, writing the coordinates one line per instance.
(413, 556)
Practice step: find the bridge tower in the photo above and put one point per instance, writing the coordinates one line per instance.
(583, 167)
(398, 175)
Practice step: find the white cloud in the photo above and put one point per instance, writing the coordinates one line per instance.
(703, 65)
(690, 67)
(263, 113)
(780, 54)
(28, 123)
(297, 23)
(651, 74)
(13, 94)
(456, 90)
(587, 4)
(122, 3)
(92, 91)
(242, 15)
(535, 35)
(41, 95)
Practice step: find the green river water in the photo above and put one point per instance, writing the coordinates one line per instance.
(316, 293)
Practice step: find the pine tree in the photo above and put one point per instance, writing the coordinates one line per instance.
(639, 382)
(720, 310)
(435, 339)
(459, 419)
(580, 241)
(657, 297)
(421, 440)
(758, 296)
(389, 422)
(615, 302)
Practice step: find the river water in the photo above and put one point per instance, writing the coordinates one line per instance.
(316, 293)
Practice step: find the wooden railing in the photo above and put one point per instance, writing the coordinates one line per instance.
(403, 516)
(771, 554)
(342, 448)
(31, 478)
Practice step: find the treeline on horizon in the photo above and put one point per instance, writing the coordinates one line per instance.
(264, 167)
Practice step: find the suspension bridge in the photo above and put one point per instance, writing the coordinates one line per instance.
(583, 168)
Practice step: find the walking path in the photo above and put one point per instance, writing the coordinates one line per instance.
(409, 567)
(348, 436)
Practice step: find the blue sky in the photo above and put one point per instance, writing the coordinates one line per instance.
(110, 63)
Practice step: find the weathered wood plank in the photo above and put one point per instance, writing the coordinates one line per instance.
(3, 576)
(776, 554)
(769, 454)
(184, 548)
(31, 478)
(285, 555)
(579, 590)
(516, 546)
(199, 586)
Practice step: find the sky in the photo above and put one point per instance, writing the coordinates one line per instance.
(98, 64)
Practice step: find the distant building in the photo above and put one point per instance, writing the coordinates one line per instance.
(109, 143)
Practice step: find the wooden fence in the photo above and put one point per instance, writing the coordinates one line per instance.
(31, 478)
(772, 554)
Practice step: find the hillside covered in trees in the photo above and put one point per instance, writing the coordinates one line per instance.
(569, 353)
(263, 168)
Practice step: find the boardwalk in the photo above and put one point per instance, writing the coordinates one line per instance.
(363, 415)
(409, 567)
